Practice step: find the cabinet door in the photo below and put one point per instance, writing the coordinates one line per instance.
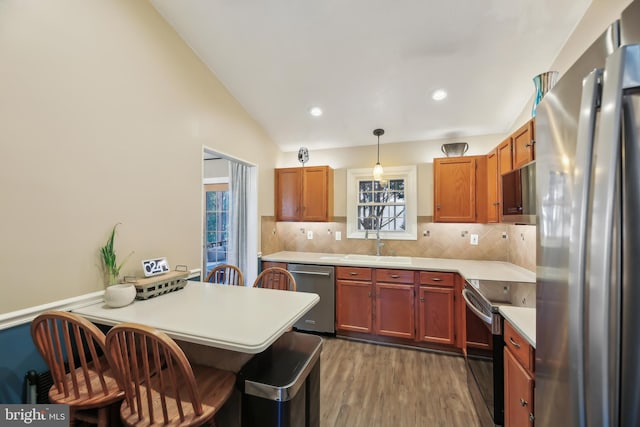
(436, 315)
(395, 313)
(518, 393)
(317, 193)
(455, 189)
(523, 150)
(288, 194)
(478, 332)
(505, 156)
(493, 195)
(353, 306)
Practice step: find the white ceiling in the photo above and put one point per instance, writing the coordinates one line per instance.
(375, 63)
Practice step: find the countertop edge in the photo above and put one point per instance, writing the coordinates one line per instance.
(519, 318)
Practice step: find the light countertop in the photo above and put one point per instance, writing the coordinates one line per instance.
(236, 318)
(469, 269)
(523, 320)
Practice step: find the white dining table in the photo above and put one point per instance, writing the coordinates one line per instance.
(236, 318)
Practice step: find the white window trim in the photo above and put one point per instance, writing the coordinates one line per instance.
(411, 202)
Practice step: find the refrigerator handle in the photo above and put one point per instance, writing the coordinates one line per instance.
(591, 90)
(603, 383)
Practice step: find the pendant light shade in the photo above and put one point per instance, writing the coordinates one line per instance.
(377, 169)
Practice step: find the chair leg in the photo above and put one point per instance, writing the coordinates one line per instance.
(103, 416)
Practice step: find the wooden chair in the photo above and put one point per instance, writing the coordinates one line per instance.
(90, 383)
(163, 388)
(275, 278)
(226, 274)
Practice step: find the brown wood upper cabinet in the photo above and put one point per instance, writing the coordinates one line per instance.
(505, 156)
(493, 187)
(523, 145)
(304, 194)
(460, 188)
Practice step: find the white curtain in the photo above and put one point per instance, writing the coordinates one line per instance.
(239, 182)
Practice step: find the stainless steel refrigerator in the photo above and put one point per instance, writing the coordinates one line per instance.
(588, 247)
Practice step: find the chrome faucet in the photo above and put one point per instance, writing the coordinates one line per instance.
(379, 244)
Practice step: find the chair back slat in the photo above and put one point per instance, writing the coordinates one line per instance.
(66, 337)
(275, 278)
(153, 369)
(226, 274)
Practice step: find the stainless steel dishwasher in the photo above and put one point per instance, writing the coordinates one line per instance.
(317, 279)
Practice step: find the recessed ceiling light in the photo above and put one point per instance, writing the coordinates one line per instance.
(315, 111)
(439, 95)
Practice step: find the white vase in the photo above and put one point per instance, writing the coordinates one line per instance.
(119, 295)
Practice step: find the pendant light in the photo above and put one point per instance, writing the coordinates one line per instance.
(377, 169)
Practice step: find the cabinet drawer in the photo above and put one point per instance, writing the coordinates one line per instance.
(518, 346)
(353, 273)
(436, 278)
(394, 276)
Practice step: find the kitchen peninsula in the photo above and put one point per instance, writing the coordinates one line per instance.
(235, 318)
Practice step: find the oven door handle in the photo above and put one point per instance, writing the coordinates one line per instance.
(486, 319)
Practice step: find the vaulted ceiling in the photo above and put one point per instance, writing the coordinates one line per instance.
(376, 63)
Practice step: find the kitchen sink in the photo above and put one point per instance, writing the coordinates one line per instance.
(374, 259)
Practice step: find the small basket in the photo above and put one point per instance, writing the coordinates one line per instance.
(159, 285)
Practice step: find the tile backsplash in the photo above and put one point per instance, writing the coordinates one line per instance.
(496, 242)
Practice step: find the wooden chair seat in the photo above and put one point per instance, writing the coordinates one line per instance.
(169, 391)
(275, 278)
(85, 399)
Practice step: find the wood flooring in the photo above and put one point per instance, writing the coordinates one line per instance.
(372, 385)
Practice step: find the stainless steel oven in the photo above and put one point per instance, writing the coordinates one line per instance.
(485, 343)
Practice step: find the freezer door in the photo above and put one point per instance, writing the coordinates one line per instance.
(613, 344)
(556, 136)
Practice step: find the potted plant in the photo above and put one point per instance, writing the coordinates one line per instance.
(116, 294)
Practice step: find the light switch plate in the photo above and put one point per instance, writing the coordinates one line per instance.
(338, 235)
(310, 235)
(474, 239)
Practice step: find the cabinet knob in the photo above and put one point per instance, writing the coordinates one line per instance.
(369, 294)
(515, 344)
(531, 417)
(353, 273)
(436, 279)
(438, 206)
(533, 141)
(421, 299)
(523, 402)
(394, 276)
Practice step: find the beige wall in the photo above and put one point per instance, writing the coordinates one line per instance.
(104, 115)
(597, 18)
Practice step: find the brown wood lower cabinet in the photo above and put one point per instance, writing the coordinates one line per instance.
(518, 380)
(403, 306)
(353, 306)
(395, 310)
(354, 296)
(436, 315)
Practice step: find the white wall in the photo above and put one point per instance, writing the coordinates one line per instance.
(104, 115)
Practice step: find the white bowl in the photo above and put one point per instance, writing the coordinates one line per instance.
(119, 295)
(454, 149)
